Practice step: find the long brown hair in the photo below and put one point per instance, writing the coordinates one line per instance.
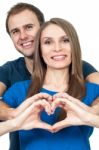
(76, 81)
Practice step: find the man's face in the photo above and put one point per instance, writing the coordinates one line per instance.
(23, 28)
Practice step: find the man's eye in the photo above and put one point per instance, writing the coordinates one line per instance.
(29, 27)
(14, 32)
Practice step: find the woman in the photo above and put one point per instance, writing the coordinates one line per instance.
(57, 71)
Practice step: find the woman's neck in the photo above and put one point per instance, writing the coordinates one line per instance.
(57, 80)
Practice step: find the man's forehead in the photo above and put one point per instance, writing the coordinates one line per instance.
(23, 18)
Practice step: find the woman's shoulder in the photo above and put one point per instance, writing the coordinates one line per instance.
(18, 87)
(21, 84)
(91, 85)
(92, 92)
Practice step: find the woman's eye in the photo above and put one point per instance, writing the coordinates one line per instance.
(66, 40)
(47, 42)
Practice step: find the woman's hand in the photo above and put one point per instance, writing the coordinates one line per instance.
(70, 119)
(30, 117)
(26, 103)
(28, 113)
(77, 112)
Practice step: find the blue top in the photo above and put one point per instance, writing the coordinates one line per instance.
(15, 71)
(70, 138)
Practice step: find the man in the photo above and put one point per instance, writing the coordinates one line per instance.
(22, 23)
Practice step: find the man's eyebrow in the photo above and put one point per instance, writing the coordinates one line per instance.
(31, 24)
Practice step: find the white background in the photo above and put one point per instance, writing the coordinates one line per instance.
(84, 15)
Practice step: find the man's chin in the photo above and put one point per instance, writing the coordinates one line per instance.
(29, 56)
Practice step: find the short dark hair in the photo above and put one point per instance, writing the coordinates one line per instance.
(19, 7)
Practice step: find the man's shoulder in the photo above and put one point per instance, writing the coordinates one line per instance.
(14, 62)
(87, 68)
(14, 66)
(14, 71)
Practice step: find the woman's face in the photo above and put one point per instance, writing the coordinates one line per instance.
(55, 47)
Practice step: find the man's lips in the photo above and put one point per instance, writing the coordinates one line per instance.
(27, 44)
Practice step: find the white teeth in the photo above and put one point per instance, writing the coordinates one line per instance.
(58, 57)
(27, 44)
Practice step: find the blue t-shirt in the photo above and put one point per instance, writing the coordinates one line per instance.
(15, 71)
(70, 138)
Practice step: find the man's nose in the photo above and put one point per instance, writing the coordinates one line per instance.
(23, 35)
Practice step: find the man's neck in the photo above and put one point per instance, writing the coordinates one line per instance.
(29, 64)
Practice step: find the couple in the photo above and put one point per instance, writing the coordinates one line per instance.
(57, 92)
(23, 37)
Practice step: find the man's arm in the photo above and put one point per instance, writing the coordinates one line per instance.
(95, 106)
(5, 110)
(2, 88)
(93, 77)
(90, 73)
